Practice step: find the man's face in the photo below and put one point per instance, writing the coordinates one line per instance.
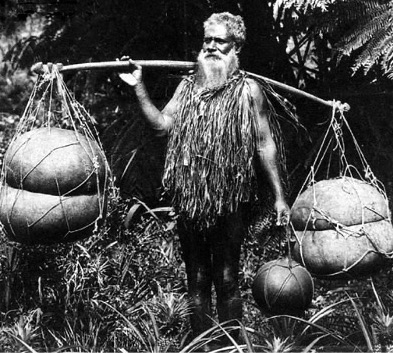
(218, 59)
(217, 41)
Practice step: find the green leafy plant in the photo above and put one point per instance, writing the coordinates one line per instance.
(362, 29)
(376, 325)
(25, 332)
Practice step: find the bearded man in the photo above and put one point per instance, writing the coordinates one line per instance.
(220, 151)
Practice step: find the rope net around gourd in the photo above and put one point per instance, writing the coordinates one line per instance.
(55, 175)
(341, 217)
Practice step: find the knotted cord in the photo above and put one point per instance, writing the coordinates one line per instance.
(333, 149)
(61, 131)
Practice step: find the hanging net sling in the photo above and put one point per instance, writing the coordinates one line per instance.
(55, 176)
(341, 218)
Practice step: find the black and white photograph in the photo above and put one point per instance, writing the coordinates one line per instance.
(196, 176)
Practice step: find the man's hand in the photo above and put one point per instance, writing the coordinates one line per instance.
(283, 213)
(135, 76)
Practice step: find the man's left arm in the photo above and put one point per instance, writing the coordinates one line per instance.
(267, 155)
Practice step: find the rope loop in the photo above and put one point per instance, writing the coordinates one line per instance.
(339, 106)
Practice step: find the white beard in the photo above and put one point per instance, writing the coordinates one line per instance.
(215, 69)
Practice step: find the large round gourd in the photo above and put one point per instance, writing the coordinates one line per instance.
(343, 228)
(54, 187)
(283, 286)
(55, 161)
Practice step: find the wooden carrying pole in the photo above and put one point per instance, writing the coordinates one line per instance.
(181, 65)
(125, 65)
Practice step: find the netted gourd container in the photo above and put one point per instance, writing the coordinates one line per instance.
(55, 176)
(283, 286)
(343, 228)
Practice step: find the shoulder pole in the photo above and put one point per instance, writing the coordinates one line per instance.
(39, 68)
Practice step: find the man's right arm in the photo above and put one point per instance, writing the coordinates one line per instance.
(159, 121)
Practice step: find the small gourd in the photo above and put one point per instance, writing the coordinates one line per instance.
(283, 286)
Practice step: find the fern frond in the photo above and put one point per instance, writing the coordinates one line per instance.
(347, 14)
(364, 27)
(305, 5)
(371, 22)
(355, 10)
(390, 76)
(365, 31)
(387, 59)
(376, 47)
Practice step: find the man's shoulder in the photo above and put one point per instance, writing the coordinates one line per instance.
(244, 75)
(255, 86)
(184, 82)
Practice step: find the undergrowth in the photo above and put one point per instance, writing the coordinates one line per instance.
(124, 290)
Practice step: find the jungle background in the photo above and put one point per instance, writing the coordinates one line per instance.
(123, 289)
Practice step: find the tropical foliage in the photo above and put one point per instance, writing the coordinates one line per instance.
(364, 29)
(124, 288)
